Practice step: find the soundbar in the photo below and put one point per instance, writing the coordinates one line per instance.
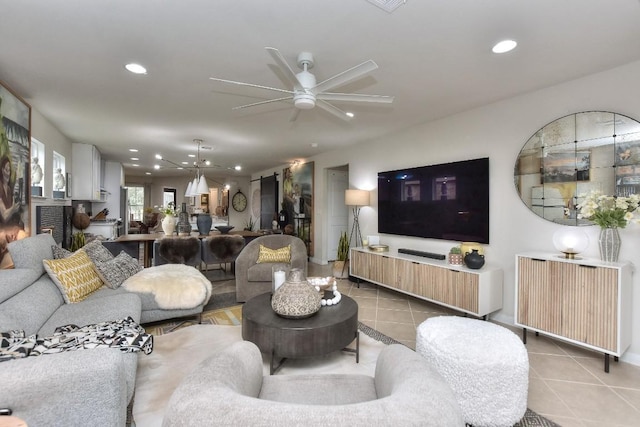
(421, 253)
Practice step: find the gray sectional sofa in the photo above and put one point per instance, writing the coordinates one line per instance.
(77, 388)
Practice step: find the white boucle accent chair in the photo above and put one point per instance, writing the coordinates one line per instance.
(229, 389)
(485, 364)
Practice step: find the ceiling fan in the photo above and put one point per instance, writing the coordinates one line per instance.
(307, 93)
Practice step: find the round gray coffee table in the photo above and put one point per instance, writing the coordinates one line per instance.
(331, 329)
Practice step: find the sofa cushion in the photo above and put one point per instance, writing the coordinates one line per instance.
(268, 255)
(264, 272)
(29, 252)
(117, 270)
(326, 389)
(94, 310)
(14, 281)
(75, 276)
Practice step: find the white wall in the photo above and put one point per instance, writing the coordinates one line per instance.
(497, 131)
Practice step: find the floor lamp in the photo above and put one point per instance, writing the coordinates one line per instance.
(357, 199)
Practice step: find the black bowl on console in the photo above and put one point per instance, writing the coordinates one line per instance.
(224, 229)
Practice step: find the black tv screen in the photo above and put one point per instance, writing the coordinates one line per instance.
(448, 201)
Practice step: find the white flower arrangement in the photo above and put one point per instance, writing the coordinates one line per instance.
(608, 211)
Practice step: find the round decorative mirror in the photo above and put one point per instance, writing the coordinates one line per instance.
(573, 155)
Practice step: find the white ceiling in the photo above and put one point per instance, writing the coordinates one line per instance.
(66, 59)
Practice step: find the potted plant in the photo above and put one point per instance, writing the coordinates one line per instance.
(455, 255)
(340, 269)
(249, 224)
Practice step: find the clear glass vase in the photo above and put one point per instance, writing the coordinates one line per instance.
(609, 243)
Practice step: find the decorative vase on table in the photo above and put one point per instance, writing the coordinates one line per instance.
(474, 260)
(168, 225)
(609, 243)
(204, 222)
(296, 298)
(184, 226)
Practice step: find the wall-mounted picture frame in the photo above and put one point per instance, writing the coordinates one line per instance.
(15, 170)
(204, 199)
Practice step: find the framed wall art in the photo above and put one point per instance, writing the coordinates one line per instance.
(15, 173)
(297, 200)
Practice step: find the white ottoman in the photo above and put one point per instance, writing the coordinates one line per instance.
(486, 365)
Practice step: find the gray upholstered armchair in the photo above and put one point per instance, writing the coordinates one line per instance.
(253, 279)
(229, 389)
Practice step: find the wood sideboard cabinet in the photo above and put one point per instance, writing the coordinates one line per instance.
(586, 302)
(477, 292)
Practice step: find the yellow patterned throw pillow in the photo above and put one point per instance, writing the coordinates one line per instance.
(274, 255)
(75, 276)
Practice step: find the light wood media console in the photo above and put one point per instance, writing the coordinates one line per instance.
(585, 302)
(477, 292)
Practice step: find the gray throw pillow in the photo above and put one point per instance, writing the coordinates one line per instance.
(116, 270)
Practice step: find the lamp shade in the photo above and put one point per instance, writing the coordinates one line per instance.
(202, 187)
(194, 185)
(570, 241)
(188, 192)
(356, 198)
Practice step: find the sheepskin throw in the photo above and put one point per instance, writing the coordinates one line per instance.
(226, 247)
(174, 286)
(179, 250)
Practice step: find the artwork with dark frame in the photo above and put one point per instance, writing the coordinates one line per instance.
(297, 200)
(566, 166)
(15, 171)
(204, 200)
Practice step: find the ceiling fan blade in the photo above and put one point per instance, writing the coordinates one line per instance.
(354, 97)
(250, 85)
(268, 101)
(345, 76)
(332, 109)
(284, 65)
(294, 115)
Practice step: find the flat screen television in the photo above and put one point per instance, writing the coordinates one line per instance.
(448, 201)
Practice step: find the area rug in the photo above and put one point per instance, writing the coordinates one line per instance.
(177, 353)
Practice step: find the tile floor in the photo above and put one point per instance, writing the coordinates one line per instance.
(567, 384)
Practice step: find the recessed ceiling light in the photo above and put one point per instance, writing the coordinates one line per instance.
(238, 167)
(185, 163)
(156, 166)
(136, 68)
(504, 46)
(135, 165)
(134, 158)
(147, 173)
(314, 144)
(349, 114)
(191, 155)
(133, 150)
(159, 156)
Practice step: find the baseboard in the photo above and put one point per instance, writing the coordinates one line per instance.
(631, 358)
(503, 318)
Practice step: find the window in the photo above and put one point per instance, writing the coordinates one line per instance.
(169, 196)
(37, 167)
(136, 203)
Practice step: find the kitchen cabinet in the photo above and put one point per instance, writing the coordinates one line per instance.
(86, 172)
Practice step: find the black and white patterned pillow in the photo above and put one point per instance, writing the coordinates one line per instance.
(60, 253)
(116, 270)
(97, 252)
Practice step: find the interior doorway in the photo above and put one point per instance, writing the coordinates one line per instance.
(338, 213)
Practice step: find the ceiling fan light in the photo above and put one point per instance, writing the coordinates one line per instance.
(304, 101)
